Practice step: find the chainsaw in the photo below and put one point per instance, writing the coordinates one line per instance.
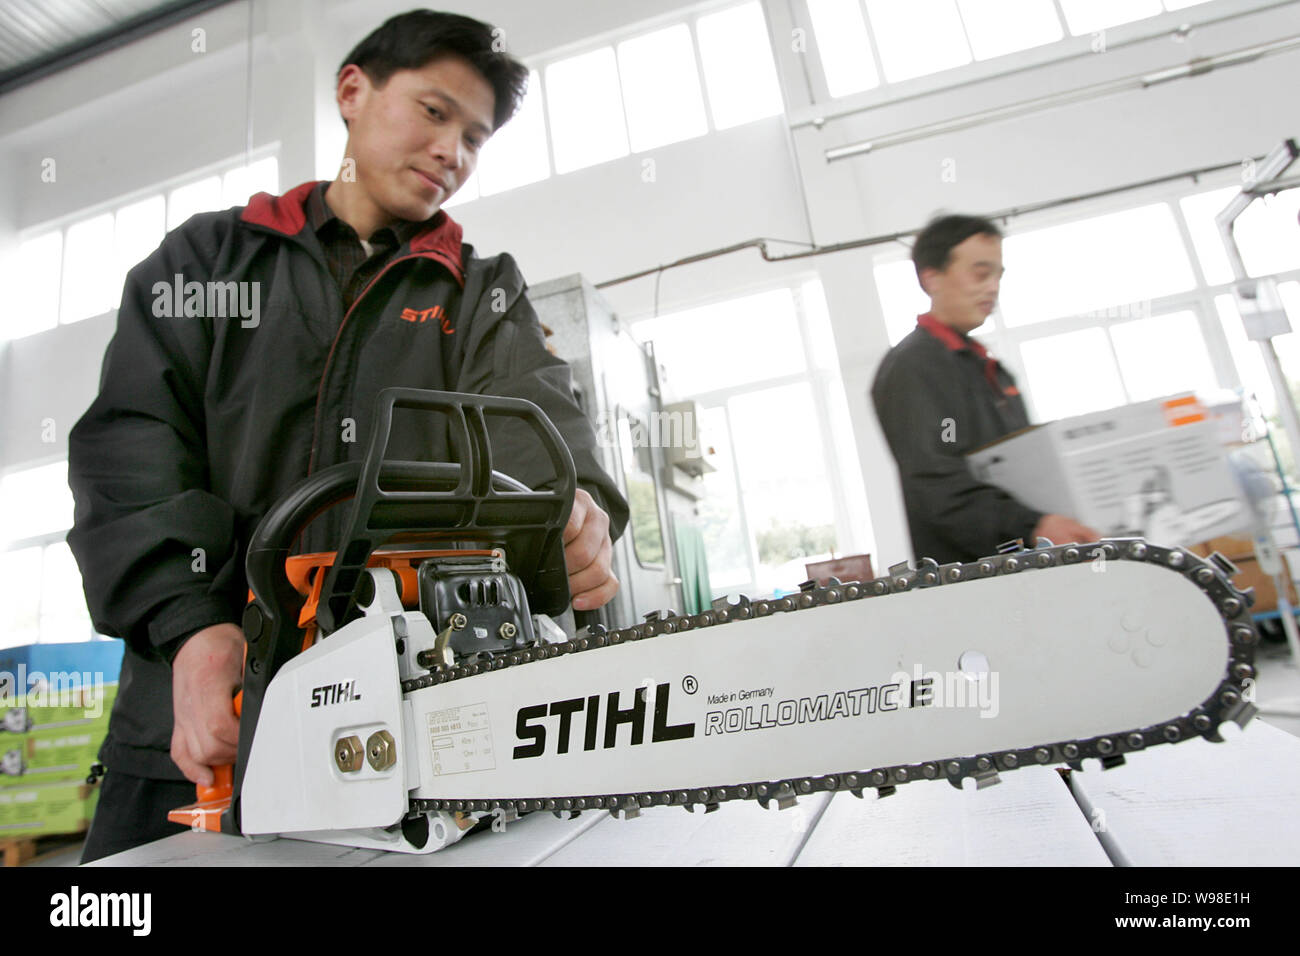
(396, 699)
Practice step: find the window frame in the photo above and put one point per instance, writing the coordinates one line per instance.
(61, 224)
(821, 381)
(823, 106)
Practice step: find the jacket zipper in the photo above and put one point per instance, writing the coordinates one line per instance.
(320, 388)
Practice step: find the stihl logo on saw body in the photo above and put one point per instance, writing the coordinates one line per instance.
(334, 694)
(526, 729)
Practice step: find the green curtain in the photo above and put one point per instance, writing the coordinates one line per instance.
(693, 565)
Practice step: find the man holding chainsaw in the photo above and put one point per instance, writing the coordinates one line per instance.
(939, 395)
(202, 423)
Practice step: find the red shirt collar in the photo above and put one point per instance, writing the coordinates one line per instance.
(956, 342)
(286, 214)
(950, 337)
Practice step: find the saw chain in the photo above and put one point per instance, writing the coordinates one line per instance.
(1230, 701)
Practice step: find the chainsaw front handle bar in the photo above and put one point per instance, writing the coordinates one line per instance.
(461, 501)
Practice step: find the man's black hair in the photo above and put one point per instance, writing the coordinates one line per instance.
(933, 248)
(411, 40)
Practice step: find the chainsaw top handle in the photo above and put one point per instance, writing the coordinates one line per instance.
(461, 501)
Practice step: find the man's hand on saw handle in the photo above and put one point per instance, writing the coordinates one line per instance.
(206, 672)
(209, 667)
(588, 554)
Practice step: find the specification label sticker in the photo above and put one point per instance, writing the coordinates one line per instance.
(461, 738)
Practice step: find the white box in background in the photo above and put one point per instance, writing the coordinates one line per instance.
(1153, 469)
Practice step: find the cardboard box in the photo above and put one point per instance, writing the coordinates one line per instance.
(1153, 469)
(47, 808)
(93, 657)
(53, 737)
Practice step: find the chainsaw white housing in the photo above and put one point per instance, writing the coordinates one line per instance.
(343, 693)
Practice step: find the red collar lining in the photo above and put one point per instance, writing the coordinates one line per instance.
(954, 341)
(287, 215)
(950, 337)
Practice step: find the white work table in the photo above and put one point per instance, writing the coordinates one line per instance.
(1200, 803)
(1191, 804)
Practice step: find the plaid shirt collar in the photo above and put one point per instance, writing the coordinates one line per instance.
(320, 215)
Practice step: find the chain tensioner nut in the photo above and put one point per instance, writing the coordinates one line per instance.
(381, 751)
(348, 753)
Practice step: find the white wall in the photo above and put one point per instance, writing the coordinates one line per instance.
(155, 110)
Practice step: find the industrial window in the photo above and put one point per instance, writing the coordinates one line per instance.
(137, 231)
(728, 344)
(1089, 16)
(738, 68)
(841, 33)
(780, 496)
(88, 268)
(998, 27)
(901, 297)
(1268, 234)
(40, 587)
(661, 88)
(1245, 353)
(193, 198)
(783, 480)
(917, 38)
(41, 600)
(76, 272)
(34, 502)
(586, 110)
(923, 37)
(1162, 355)
(238, 184)
(1057, 365)
(1078, 267)
(516, 154)
(1199, 211)
(640, 94)
(33, 286)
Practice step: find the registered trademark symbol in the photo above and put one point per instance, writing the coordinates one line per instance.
(690, 684)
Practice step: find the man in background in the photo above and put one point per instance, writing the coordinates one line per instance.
(940, 395)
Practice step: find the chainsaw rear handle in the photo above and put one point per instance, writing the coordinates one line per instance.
(463, 501)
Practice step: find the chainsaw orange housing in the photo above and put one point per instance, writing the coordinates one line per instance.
(307, 573)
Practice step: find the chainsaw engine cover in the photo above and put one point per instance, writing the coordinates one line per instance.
(482, 597)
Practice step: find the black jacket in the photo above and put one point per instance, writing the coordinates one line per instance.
(939, 397)
(202, 421)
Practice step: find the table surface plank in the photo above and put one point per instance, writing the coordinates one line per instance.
(1029, 819)
(222, 849)
(740, 833)
(1202, 804)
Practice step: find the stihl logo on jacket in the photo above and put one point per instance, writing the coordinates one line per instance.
(436, 314)
(590, 707)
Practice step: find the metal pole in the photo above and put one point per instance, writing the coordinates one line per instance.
(1262, 297)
